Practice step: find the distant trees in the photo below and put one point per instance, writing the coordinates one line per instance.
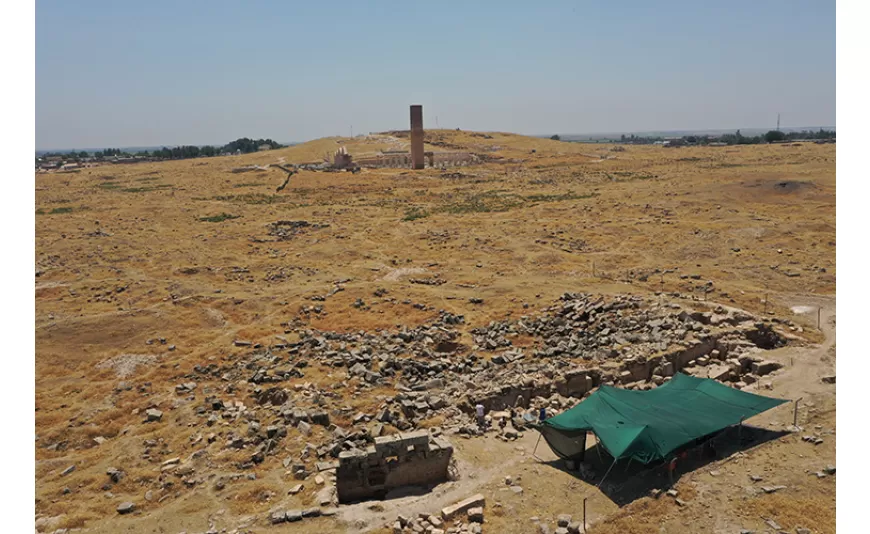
(555, 138)
(736, 138)
(774, 135)
(243, 145)
(807, 134)
(247, 146)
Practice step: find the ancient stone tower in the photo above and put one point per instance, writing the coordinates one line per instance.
(417, 137)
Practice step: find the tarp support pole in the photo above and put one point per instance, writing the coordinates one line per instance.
(598, 448)
(796, 410)
(607, 473)
(535, 456)
(628, 465)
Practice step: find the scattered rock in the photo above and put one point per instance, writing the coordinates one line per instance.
(126, 508)
(773, 524)
(293, 515)
(475, 501)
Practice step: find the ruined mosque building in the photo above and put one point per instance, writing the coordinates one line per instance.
(417, 158)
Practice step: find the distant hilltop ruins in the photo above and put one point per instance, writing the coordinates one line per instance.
(416, 158)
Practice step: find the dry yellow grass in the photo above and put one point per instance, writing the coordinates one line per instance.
(523, 229)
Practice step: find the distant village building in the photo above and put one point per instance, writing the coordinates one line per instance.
(264, 147)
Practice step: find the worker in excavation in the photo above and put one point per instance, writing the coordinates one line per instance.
(480, 420)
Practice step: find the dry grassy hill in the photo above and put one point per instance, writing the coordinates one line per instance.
(145, 271)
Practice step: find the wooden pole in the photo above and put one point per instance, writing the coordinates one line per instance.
(584, 515)
(796, 411)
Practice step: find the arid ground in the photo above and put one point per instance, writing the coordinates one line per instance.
(146, 271)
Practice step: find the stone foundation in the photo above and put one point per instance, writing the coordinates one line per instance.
(713, 349)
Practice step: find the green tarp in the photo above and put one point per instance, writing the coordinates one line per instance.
(650, 425)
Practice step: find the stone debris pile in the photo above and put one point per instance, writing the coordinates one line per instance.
(258, 406)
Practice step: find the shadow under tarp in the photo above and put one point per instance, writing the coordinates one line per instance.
(630, 480)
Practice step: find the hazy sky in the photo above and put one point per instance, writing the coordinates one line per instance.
(113, 74)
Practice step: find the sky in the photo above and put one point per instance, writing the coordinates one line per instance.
(134, 73)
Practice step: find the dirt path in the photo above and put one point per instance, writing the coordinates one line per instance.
(363, 517)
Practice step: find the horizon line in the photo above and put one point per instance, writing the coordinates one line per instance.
(291, 143)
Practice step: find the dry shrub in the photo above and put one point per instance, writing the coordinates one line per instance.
(640, 517)
(250, 499)
(77, 519)
(437, 420)
(815, 513)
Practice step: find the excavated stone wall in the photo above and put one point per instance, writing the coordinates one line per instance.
(407, 459)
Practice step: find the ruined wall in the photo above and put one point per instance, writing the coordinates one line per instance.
(714, 348)
(432, 159)
(408, 459)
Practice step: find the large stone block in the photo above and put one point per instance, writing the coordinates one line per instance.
(475, 501)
